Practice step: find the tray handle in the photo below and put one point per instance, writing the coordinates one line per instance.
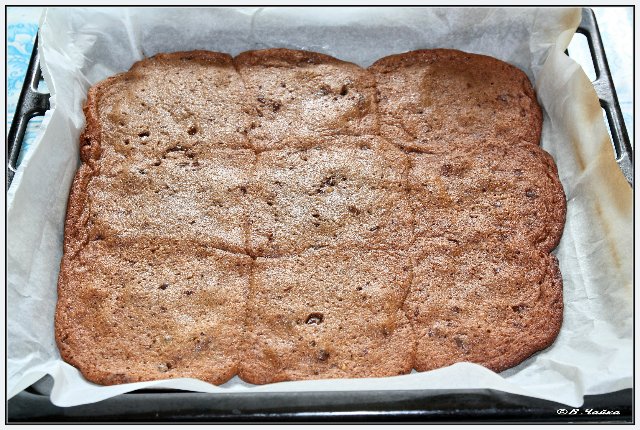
(31, 103)
(605, 89)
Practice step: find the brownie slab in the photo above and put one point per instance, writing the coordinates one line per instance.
(144, 311)
(298, 94)
(487, 303)
(328, 314)
(261, 216)
(341, 192)
(430, 100)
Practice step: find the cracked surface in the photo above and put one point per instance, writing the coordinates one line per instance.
(299, 94)
(432, 99)
(328, 314)
(478, 302)
(344, 192)
(248, 216)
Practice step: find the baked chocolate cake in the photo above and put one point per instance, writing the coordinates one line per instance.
(284, 215)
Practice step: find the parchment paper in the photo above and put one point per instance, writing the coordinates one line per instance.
(79, 47)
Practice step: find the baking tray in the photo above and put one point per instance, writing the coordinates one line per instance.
(33, 404)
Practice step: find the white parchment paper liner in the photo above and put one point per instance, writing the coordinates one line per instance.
(79, 47)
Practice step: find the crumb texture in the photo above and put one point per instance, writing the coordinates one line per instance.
(344, 192)
(299, 94)
(328, 314)
(432, 99)
(135, 311)
(285, 215)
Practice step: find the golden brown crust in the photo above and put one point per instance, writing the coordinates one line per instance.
(283, 57)
(482, 303)
(328, 314)
(137, 311)
(194, 161)
(299, 94)
(340, 192)
(432, 99)
(200, 56)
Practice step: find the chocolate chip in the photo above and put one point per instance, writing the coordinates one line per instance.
(518, 308)
(323, 355)
(314, 318)
(460, 343)
(324, 90)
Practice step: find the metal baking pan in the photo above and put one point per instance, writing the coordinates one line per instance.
(33, 404)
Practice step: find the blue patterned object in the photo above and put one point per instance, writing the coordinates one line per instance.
(19, 45)
(20, 38)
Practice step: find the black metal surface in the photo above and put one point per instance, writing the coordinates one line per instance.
(607, 94)
(31, 103)
(33, 404)
(422, 405)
